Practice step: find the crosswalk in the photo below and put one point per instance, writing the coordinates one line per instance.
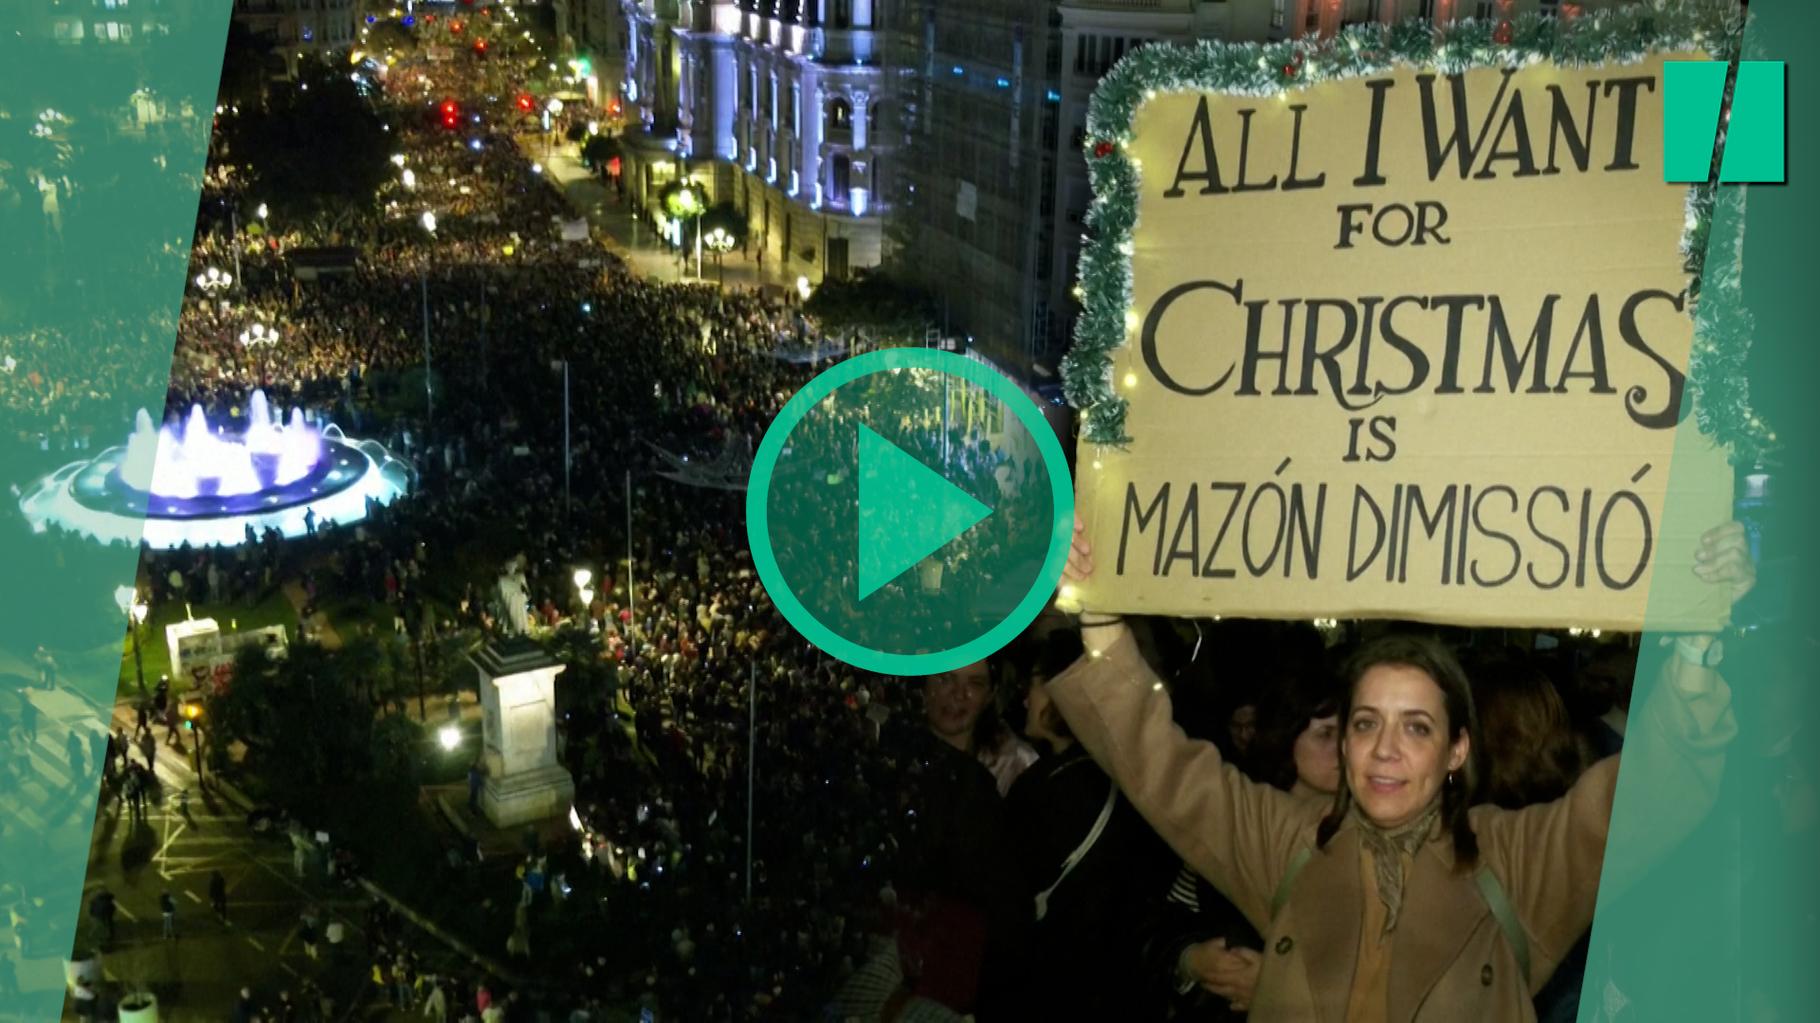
(44, 792)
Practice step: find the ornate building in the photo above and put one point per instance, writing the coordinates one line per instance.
(773, 106)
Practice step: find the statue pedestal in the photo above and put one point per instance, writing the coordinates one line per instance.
(518, 701)
(528, 796)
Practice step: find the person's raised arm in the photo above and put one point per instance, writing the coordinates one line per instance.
(1551, 856)
(1235, 832)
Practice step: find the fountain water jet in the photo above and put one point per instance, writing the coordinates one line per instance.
(194, 482)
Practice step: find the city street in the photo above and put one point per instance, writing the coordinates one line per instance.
(176, 848)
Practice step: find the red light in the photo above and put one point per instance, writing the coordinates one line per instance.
(429, 18)
(613, 166)
(524, 101)
(454, 26)
(613, 108)
(480, 46)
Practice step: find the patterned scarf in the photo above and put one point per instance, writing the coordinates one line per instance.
(1388, 847)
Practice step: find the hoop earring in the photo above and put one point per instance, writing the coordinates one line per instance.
(1450, 779)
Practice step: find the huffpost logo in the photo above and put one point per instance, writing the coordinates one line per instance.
(1693, 94)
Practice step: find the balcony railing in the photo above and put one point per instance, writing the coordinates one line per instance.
(845, 46)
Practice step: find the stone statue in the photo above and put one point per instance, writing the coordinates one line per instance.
(512, 598)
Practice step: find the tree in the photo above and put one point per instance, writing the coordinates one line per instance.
(308, 734)
(243, 66)
(726, 217)
(388, 36)
(599, 152)
(873, 305)
(315, 151)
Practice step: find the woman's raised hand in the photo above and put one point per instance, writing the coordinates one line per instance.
(1080, 556)
(1098, 630)
(1723, 558)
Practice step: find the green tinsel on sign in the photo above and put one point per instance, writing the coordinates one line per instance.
(1620, 35)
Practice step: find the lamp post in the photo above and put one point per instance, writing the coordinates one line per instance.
(258, 334)
(687, 204)
(234, 235)
(213, 280)
(555, 109)
(135, 610)
(563, 364)
(429, 391)
(583, 578)
(722, 243)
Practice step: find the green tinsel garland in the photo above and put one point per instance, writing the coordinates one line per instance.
(1618, 35)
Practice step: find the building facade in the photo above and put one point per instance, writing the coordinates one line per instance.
(300, 29)
(773, 106)
(973, 207)
(991, 211)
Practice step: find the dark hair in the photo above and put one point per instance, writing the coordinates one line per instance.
(1431, 658)
(1305, 692)
(1053, 654)
(1530, 749)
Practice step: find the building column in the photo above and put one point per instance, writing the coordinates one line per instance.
(723, 83)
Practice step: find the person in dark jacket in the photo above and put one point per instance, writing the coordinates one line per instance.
(952, 923)
(1088, 863)
(1196, 945)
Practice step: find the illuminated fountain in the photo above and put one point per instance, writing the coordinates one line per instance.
(199, 484)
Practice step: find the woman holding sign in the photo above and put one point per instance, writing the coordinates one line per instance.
(1400, 900)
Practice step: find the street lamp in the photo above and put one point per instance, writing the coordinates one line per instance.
(258, 334)
(213, 280)
(721, 243)
(262, 212)
(127, 598)
(687, 204)
(555, 110)
(449, 736)
(428, 220)
(410, 178)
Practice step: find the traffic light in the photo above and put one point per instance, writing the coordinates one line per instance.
(451, 114)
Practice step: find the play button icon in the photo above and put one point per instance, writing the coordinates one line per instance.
(909, 511)
(892, 482)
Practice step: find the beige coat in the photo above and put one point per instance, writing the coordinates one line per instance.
(1449, 960)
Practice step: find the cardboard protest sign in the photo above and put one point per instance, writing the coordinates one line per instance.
(1411, 345)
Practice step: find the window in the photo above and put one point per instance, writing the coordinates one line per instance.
(1080, 54)
(840, 115)
(796, 105)
(842, 174)
(843, 13)
(1487, 8)
(1279, 13)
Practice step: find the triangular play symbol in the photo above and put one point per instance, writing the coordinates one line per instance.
(907, 511)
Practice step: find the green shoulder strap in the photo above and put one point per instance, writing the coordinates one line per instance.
(1500, 907)
(1296, 863)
